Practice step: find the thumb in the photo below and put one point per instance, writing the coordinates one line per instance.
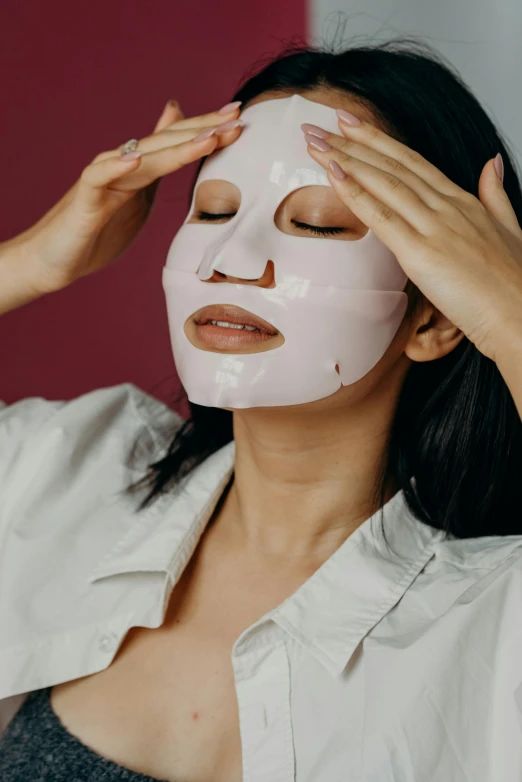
(492, 195)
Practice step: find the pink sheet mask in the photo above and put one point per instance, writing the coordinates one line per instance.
(336, 302)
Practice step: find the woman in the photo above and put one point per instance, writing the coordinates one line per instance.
(259, 624)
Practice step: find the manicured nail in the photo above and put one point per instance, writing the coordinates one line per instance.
(131, 155)
(336, 169)
(314, 130)
(234, 123)
(230, 107)
(346, 116)
(206, 134)
(499, 167)
(317, 143)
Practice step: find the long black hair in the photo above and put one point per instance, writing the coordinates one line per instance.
(456, 428)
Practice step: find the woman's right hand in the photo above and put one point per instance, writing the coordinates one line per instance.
(97, 219)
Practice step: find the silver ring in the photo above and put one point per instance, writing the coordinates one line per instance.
(129, 146)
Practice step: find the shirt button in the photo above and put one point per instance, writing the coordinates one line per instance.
(107, 642)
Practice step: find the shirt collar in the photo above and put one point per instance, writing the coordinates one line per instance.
(335, 608)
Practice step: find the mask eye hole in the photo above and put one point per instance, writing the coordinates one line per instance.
(317, 212)
(215, 201)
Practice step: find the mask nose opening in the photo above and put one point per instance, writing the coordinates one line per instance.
(267, 279)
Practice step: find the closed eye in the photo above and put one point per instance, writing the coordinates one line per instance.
(317, 229)
(212, 216)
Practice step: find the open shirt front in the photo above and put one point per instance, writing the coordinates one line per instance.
(382, 666)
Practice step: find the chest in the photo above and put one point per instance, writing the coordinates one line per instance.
(167, 705)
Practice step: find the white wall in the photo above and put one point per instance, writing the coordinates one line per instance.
(481, 38)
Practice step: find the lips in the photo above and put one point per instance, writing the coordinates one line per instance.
(231, 314)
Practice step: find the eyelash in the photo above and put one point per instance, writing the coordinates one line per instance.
(316, 229)
(210, 217)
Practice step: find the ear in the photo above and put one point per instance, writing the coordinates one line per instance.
(432, 335)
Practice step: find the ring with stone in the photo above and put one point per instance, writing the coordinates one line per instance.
(129, 146)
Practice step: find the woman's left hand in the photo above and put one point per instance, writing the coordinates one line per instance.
(463, 253)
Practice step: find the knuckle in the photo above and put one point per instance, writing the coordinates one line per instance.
(372, 131)
(392, 181)
(411, 156)
(467, 198)
(357, 193)
(391, 163)
(346, 145)
(384, 214)
(87, 175)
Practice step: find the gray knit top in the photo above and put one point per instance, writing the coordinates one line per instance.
(36, 747)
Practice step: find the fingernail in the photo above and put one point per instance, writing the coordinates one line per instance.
(230, 107)
(314, 130)
(346, 116)
(131, 155)
(206, 134)
(317, 143)
(499, 167)
(234, 123)
(336, 169)
(173, 103)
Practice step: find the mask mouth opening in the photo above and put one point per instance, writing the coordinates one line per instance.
(228, 313)
(224, 334)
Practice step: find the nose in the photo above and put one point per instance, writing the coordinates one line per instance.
(267, 279)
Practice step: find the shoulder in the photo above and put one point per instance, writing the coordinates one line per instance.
(485, 552)
(479, 577)
(123, 409)
(474, 558)
(50, 448)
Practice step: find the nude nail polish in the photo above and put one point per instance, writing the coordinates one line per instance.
(348, 117)
(314, 130)
(336, 169)
(499, 166)
(317, 143)
(230, 107)
(231, 125)
(206, 134)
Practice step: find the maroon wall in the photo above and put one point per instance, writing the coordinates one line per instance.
(81, 77)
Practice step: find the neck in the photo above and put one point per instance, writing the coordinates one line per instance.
(304, 482)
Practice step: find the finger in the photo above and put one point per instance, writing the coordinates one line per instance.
(209, 120)
(100, 175)
(372, 137)
(153, 165)
(126, 176)
(391, 228)
(386, 188)
(170, 138)
(171, 113)
(493, 196)
(227, 132)
(353, 149)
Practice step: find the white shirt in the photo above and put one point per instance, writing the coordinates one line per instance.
(381, 667)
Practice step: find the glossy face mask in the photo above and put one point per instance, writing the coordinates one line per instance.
(336, 302)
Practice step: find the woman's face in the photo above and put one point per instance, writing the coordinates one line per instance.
(316, 213)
